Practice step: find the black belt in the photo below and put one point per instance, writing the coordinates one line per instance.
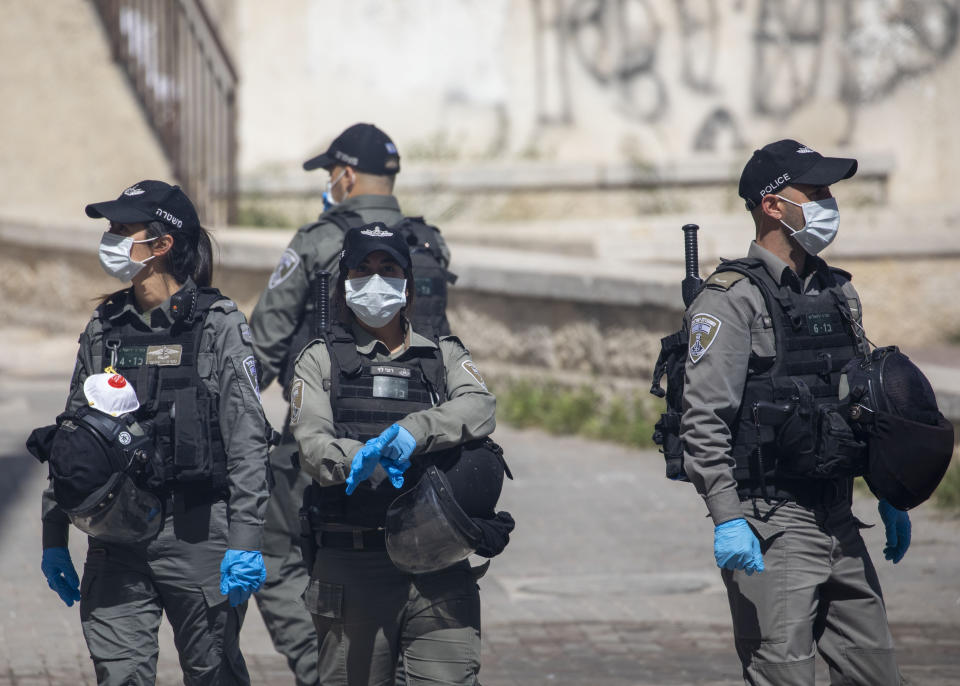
(357, 539)
(809, 493)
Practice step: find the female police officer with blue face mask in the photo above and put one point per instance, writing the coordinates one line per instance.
(186, 351)
(373, 406)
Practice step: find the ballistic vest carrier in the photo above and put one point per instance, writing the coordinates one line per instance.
(789, 427)
(366, 398)
(162, 366)
(788, 430)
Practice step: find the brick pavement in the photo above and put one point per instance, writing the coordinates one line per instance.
(609, 579)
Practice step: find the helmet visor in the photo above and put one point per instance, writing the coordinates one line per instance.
(426, 530)
(119, 512)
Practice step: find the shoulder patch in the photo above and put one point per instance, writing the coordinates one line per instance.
(724, 280)
(245, 335)
(250, 367)
(703, 332)
(296, 400)
(470, 367)
(288, 263)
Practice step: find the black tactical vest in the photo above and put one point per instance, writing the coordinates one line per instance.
(788, 430)
(430, 277)
(366, 398)
(162, 366)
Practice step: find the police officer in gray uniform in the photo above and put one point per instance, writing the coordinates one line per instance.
(362, 163)
(766, 445)
(373, 406)
(186, 350)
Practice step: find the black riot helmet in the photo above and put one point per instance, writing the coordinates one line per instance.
(96, 461)
(891, 404)
(450, 514)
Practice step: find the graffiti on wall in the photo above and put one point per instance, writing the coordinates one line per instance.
(855, 52)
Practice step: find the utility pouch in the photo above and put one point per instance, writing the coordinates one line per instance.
(839, 453)
(191, 454)
(816, 442)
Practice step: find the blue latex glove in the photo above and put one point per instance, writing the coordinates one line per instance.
(241, 573)
(395, 455)
(735, 546)
(61, 574)
(364, 462)
(897, 524)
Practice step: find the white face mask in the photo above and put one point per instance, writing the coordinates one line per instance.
(374, 299)
(821, 221)
(115, 256)
(328, 200)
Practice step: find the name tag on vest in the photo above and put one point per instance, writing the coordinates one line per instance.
(382, 370)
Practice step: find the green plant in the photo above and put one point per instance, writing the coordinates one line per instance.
(260, 216)
(563, 410)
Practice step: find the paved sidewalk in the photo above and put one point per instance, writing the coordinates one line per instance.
(609, 579)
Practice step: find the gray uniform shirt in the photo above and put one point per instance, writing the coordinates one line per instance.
(223, 363)
(716, 370)
(281, 305)
(467, 414)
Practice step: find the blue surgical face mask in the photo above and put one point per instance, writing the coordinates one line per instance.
(328, 201)
(375, 299)
(821, 221)
(115, 256)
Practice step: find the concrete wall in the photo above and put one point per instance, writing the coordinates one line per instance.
(72, 130)
(637, 82)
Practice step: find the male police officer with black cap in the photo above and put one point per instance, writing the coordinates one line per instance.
(362, 163)
(766, 445)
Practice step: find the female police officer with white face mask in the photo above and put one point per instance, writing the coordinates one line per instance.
(372, 378)
(186, 350)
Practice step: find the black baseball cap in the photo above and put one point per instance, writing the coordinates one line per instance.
(149, 201)
(363, 240)
(363, 147)
(788, 162)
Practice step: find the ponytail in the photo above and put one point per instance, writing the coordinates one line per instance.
(187, 259)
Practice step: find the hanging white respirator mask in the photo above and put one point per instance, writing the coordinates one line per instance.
(115, 256)
(328, 201)
(374, 299)
(821, 221)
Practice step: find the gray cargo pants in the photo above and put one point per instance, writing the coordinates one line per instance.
(280, 600)
(820, 591)
(126, 589)
(368, 615)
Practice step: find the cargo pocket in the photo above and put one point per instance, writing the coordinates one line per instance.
(758, 601)
(323, 599)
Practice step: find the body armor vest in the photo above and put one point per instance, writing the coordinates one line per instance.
(430, 275)
(788, 429)
(162, 365)
(366, 398)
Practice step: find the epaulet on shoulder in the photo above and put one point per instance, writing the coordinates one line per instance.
(308, 346)
(847, 276)
(451, 338)
(224, 305)
(723, 280)
(307, 228)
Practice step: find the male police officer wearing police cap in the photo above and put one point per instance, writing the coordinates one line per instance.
(362, 163)
(765, 445)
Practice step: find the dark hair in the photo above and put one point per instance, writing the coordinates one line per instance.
(187, 258)
(343, 314)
